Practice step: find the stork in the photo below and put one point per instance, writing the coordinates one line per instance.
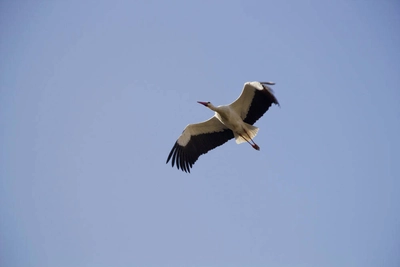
(231, 121)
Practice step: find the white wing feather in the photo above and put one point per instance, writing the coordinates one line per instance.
(209, 126)
(242, 104)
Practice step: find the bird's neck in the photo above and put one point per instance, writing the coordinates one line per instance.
(212, 107)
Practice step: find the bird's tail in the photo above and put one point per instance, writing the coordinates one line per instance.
(250, 130)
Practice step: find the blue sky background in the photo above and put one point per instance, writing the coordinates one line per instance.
(93, 95)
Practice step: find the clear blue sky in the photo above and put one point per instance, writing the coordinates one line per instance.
(93, 95)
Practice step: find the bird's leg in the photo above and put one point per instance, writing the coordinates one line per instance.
(254, 145)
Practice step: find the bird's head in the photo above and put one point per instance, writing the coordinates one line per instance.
(206, 104)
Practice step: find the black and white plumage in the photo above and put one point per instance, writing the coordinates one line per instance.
(232, 121)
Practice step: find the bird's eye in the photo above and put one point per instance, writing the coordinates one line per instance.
(208, 102)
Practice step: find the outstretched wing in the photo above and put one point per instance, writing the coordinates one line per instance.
(254, 101)
(196, 140)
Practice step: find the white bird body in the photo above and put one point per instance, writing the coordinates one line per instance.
(230, 121)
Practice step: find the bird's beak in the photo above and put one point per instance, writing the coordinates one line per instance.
(203, 103)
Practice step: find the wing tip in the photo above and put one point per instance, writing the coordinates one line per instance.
(179, 158)
(270, 91)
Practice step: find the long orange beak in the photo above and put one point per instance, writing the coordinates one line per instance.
(203, 103)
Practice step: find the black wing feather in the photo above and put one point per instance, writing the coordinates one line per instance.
(186, 156)
(261, 102)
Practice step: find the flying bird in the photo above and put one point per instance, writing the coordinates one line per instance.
(231, 121)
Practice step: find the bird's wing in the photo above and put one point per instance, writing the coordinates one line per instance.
(198, 139)
(254, 101)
